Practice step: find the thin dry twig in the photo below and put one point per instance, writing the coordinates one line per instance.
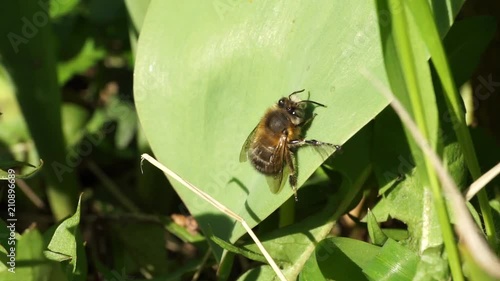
(112, 187)
(32, 196)
(464, 224)
(219, 206)
(481, 182)
(200, 267)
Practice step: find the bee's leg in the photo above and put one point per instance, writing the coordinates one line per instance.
(302, 142)
(290, 160)
(320, 143)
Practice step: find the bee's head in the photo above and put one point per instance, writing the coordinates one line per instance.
(295, 107)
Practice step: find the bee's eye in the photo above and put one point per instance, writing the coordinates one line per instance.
(281, 102)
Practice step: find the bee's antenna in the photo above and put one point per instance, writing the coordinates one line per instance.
(310, 101)
(296, 92)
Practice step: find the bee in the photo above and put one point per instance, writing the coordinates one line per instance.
(272, 145)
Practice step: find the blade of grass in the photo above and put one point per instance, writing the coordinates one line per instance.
(429, 33)
(400, 31)
(220, 207)
(464, 224)
(29, 56)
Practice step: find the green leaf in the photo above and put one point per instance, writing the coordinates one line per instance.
(56, 256)
(203, 81)
(29, 263)
(407, 50)
(67, 242)
(311, 271)
(377, 236)
(61, 8)
(339, 258)
(7, 173)
(14, 129)
(256, 256)
(433, 265)
(14, 164)
(29, 54)
(291, 246)
(137, 11)
(124, 114)
(393, 262)
(88, 56)
(404, 200)
(259, 273)
(396, 234)
(225, 266)
(428, 30)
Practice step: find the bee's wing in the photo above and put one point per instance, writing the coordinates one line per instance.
(276, 182)
(325, 150)
(246, 145)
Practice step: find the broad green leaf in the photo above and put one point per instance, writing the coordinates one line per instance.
(393, 262)
(67, 242)
(29, 262)
(205, 76)
(339, 258)
(433, 265)
(311, 271)
(260, 273)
